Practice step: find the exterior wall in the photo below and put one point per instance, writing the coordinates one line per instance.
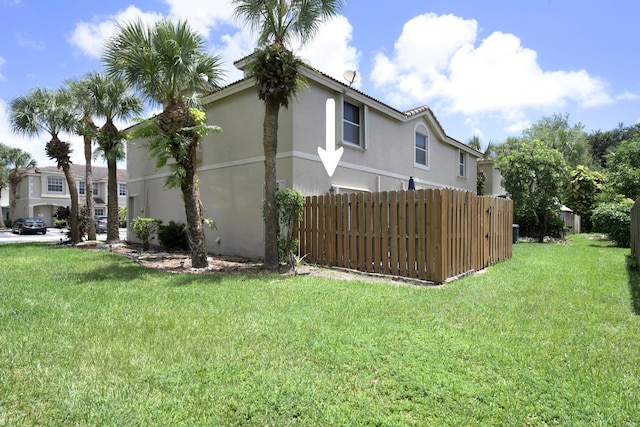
(493, 178)
(4, 203)
(231, 163)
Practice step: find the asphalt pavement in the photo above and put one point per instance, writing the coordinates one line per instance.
(53, 235)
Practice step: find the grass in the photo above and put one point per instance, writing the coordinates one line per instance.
(549, 337)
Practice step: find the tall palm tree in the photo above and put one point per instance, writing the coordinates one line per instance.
(276, 70)
(88, 130)
(49, 111)
(109, 98)
(169, 64)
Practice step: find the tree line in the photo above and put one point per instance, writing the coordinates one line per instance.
(555, 163)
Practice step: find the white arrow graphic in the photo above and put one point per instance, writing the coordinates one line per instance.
(330, 157)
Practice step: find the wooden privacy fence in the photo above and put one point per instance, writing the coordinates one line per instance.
(425, 234)
(635, 231)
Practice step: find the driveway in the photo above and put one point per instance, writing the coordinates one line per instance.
(53, 235)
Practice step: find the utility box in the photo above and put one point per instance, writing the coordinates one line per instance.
(516, 233)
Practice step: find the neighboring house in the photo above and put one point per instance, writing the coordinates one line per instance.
(492, 179)
(4, 203)
(45, 188)
(383, 148)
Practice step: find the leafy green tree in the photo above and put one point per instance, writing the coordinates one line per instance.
(276, 71)
(535, 176)
(584, 187)
(604, 143)
(557, 132)
(170, 65)
(50, 111)
(623, 170)
(109, 98)
(4, 176)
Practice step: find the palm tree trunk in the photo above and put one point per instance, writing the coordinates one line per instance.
(74, 226)
(91, 232)
(113, 233)
(191, 195)
(270, 143)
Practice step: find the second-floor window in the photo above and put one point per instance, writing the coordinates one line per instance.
(96, 189)
(351, 126)
(82, 188)
(462, 164)
(54, 185)
(122, 189)
(422, 157)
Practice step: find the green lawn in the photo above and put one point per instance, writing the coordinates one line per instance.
(551, 337)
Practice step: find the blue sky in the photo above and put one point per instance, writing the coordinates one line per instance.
(486, 68)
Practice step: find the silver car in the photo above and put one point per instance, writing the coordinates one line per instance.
(101, 224)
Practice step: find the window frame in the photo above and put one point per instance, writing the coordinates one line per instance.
(122, 185)
(422, 130)
(362, 117)
(96, 189)
(59, 182)
(82, 188)
(463, 164)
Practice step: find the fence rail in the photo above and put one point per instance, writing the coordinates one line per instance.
(635, 231)
(425, 234)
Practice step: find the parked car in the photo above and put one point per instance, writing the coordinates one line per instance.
(101, 224)
(29, 226)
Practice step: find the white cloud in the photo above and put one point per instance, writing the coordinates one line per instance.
(330, 50)
(437, 60)
(2, 62)
(202, 16)
(26, 42)
(90, 37)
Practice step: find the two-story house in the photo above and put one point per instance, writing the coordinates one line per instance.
(45, 188)
(383, 148)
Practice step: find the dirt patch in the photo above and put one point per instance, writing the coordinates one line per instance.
(180, 262)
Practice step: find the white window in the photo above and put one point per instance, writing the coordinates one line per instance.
(98, 212)
(96, 189)
(421, 147)
(82, 188)
(122, 189)
(352, 124)
(54, 185)
(462, 164)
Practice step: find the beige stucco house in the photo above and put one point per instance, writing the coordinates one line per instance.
(45, 188)
(383, 148)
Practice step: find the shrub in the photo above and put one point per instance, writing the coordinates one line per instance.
(290, 209)
(60, 223)
(173, 236)
(7, 223)
(144, 228)
(614, 220)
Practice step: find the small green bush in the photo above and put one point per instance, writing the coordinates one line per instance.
(290, 210)
(7, 223)
(144, 228)
(60, 223)
(173, 236)
(614, 220)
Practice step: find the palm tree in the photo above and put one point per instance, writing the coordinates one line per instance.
(49, 111)
(108, 98)
(276, 70)
(169, 64)
(88, 130)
